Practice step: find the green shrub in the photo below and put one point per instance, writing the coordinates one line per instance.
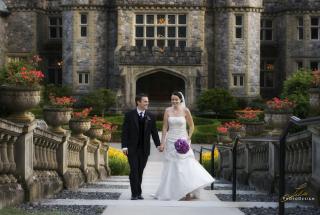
(203, 121)
(100, 100)
(296, 88)
(217, 100)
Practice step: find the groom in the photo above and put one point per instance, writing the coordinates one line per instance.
(137, 127)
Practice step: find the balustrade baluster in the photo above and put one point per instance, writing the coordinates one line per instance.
(1, 162)
(4, 154)
(12, 162)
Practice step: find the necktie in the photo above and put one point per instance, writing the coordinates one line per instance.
(140, 115)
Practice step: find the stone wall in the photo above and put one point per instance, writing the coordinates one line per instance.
(22, 32)
(3, 40)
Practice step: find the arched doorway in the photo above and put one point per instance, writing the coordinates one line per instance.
(159, 86)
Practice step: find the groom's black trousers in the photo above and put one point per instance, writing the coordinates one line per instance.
(137, 162)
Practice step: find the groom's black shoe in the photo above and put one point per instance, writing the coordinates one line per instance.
(140, 197)
(134, 198)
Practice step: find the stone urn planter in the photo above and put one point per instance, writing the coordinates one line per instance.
(254, 128)
(56, 117)
(314, 101)
(106, 137)
(95, 133)
(277, 121)
(19, 100)
(79, 126)
(224, 138)
(234, 133)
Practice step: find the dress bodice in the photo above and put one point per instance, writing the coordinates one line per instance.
(177, 123)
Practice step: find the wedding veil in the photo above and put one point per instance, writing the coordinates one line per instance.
(183, 102)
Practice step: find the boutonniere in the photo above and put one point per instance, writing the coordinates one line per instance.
(148, 118)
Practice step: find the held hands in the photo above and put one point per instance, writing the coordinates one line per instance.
(161, 147)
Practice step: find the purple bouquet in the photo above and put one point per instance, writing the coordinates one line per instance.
(181, 146)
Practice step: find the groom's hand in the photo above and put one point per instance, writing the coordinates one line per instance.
(125, 151)
(161, 148)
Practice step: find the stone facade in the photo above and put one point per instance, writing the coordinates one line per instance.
(107, 56)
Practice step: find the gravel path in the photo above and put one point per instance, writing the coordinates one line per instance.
(105, 186)
(274, 211)
(66, 194)
(248, 198)
(63, 209)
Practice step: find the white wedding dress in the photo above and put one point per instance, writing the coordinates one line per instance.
(182, 173)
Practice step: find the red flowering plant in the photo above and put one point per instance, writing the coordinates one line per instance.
(316, 79)
(280, 105)
(222, 130)
(249, 115)
(109, 127)
(97, 122)
(82, 114)
(23, 72)
(63, 101)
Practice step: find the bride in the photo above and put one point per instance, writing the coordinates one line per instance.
(182, 173)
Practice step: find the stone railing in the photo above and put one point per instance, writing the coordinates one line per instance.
(257, 162)
(104, 169)
(92, 173)
(226, 163)
(155, 56)
(298, 159)
(74, 176)
(9, 186)
(36, 163)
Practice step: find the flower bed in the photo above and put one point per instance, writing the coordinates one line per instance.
(118, 162)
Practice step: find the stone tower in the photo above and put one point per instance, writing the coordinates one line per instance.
(84, 44)
(237, 46)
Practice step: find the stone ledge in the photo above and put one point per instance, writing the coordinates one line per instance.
(134, 56)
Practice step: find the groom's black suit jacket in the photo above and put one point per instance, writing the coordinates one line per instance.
(130, 132)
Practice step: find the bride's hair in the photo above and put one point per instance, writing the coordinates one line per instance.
(176, 93)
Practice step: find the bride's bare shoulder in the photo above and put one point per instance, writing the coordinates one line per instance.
(168, 109)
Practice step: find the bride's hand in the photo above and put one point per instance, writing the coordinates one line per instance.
(161, 147)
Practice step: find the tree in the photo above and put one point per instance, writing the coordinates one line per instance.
(100, 100)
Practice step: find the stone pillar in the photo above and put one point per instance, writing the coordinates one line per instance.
(63, 155)
(97, 157)
(24, 152)
(273, 159)
(314, 183)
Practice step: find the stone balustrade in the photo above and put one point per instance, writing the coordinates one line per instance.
(226, 163)
(257, 162)
(45, 162)
(12, 192)
(298, 159)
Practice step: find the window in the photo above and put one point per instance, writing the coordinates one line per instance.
(267, 73)
(55, 27)
(15, 58)
(315, 65)
(266, 29)
(238, 80)
(299, 65)
(161, 30)
(300, 28)
(239, 26)
(315, 28)
(84, 25)
(84, 78)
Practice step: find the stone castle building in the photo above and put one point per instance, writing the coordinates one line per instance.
(156, 46)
